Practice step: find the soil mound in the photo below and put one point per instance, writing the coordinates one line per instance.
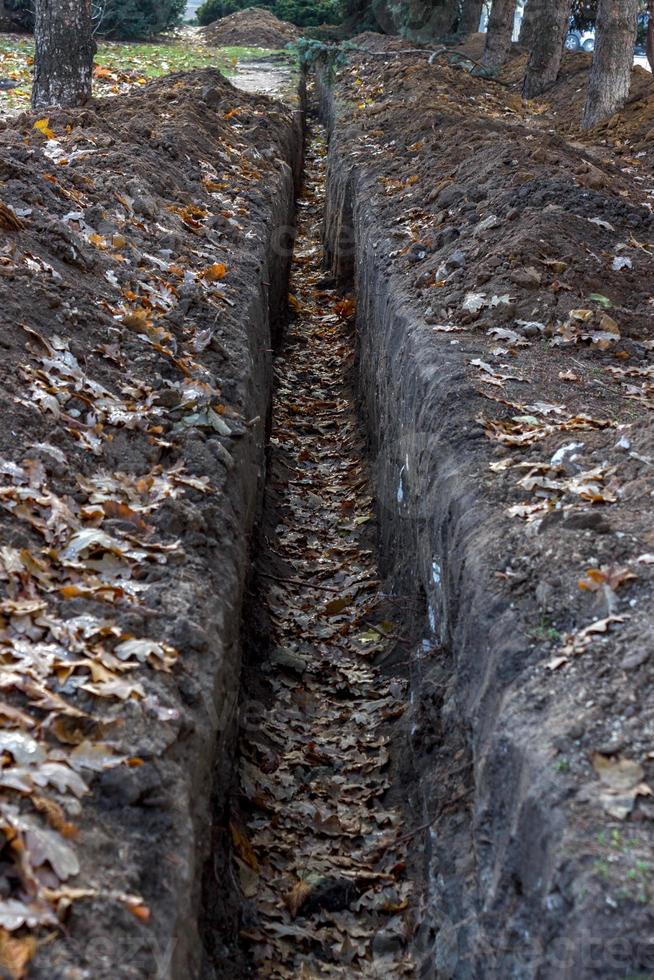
(504, 276)
(378, 43)
(253, 26)
(132, 232)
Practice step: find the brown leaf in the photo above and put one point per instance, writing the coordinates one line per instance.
(15, 954)
(336, 606)
(295, 899)
(617, 774)
(613, 577)
(243, 846)
(9, 220)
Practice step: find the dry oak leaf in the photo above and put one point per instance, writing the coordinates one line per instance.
(295, 899)
(215, 272)
(613, 577)
(15, 954)
(242, 845)
(9, 220)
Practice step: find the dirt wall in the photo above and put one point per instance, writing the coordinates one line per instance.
(513, 853)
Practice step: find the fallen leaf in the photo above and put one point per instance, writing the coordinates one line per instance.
(15, 954)
(43, 127)
(242, 845)
(297, 896)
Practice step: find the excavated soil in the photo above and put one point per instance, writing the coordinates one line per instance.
(253, 27)
(505, 365)
(446, 763)
(142, 275)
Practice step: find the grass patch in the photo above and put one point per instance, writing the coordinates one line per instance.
(119, 66)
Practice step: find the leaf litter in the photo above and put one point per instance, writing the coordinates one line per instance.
(317, 850)
(114, 258)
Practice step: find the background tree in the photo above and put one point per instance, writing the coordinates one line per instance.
(471, 16)
(499, 33)
(610, 76)
(529, 20)
(64, 50)
(549, 31)
(304, 13)
(136, 19)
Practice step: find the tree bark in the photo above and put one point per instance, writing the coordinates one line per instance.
(650, 35)
(500, 31)
(64, 53)
(550, 29)
(471, 16)
(613, 58)
(530, 19)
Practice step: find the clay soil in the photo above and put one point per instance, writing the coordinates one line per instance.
(252, 27)
(525, 251)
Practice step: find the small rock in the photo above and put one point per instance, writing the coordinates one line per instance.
(588, 521)
(187, 634)
(450, 195)
(576, 730)
(634, 659)
(457, 259)
(385, 943)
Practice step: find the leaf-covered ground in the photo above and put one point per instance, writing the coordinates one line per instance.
(119, 66)
(134, 335)
(320, 851)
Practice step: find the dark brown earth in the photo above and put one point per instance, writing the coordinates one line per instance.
(254, 27)
(141, 277)
(504, 322)
(503, 266)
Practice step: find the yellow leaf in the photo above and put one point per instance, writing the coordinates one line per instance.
(215, 272)
(43, 126)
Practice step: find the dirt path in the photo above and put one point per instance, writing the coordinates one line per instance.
(321, 858)
(266, 78)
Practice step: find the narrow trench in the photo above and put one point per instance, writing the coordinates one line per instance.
(319, 844)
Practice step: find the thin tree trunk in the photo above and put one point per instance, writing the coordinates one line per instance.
(649, 44)
(529, 21)
(613, 58)
(500, 31)
(550, 29)
(471, 16)
(64, 53)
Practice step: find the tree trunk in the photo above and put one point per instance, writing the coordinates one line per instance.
(613, 58)
(650, 35)
(500, 31)
(550, 29)
(64, 53)
(471, 16)
(530, 19)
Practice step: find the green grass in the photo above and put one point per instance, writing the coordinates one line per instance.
(121, 66)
